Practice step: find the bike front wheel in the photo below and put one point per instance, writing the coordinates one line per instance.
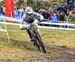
(40, 43)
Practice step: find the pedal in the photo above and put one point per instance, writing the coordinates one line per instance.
(32, 40)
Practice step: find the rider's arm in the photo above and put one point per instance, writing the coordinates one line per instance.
(39, 16)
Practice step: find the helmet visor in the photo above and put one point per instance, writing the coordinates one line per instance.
(29, 13)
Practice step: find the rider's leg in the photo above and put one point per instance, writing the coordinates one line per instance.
(29, 33)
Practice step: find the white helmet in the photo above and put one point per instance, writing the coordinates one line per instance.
(29, 10)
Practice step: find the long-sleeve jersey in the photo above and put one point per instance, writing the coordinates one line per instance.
(34, 18)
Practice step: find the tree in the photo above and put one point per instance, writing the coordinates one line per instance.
(34, 3)
(2, 3)
(20, 2)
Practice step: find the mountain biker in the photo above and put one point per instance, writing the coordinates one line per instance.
(30, 17)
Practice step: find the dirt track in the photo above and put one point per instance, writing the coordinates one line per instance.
(27, 53)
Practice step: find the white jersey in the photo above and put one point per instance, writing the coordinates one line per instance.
(36, 20)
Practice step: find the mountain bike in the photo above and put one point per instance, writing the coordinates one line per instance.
(36, 38)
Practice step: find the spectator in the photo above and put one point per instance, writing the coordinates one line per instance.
(3, 11)
(0, 9)
(73, 10)
(70, 4)
(54, 18)
(36, 10)
(50, 14)
(45, 14)
(41, 11)
(21, 11)
(61, 16)
(16, 12)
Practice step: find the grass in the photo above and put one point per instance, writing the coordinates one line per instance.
(14, 52)
(49, 36)
(59, 37)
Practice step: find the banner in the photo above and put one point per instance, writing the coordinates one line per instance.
(9, 6)
(12, 8)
